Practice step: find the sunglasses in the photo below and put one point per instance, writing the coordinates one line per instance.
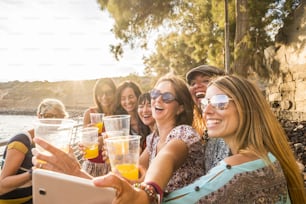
(167, 97)
(219, 102)
(106, 93)
(51, 115)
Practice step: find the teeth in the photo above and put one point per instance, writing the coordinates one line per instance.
(200, 94)
(212, 122)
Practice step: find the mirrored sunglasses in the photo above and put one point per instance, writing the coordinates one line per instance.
(219, 102)
(167, 97)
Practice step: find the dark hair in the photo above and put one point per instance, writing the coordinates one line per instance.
(121, 87)
(206, 70)
(99, 83)
(144, 130)
(144, 98)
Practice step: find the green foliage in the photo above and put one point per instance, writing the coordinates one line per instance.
(195, 31)
(172, 55)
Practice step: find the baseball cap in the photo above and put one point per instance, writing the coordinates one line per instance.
(207, 70)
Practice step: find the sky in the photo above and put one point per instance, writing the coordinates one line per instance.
(59, 40)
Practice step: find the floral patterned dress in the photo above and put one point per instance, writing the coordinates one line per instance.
(193, 167)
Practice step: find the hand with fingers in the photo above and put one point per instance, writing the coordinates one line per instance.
(57, 160)
(125, 192)
(103, 147)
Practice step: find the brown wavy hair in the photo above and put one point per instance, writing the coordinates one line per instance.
(183, 97)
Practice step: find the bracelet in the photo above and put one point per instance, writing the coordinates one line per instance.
(157, 188)
(150, 191)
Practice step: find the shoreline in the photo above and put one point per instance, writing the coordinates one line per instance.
(77, 112)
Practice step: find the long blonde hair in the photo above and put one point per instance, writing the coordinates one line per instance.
(260, 132)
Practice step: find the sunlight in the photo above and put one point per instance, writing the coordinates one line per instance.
(59, 40)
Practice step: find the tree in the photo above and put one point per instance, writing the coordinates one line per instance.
(196, 31)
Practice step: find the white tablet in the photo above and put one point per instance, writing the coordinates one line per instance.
(56, 188)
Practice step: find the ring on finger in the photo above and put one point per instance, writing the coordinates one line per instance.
(40, 165)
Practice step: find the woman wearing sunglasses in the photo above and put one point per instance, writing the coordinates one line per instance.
(16, 166)
(174, 148)
(104, 92)
(215, 148)
(174, 144)
(262, 168)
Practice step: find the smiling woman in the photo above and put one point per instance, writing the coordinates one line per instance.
(57, 37)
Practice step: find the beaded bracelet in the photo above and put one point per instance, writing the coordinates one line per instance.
(150, 191)
(157, 188)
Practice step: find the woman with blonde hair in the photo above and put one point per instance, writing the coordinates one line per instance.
(16, 166)
(262, 168)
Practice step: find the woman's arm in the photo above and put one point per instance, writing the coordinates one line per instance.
(168, 159)
(144, 159)
(9, 180)
(171, 157)
(86, 118)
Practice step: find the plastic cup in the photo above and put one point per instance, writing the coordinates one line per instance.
(57, 132)
(89, 140)
(117, 125)
(97, 119)
(123, 153)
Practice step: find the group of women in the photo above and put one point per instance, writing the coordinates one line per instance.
(250, 160)
(109, 99)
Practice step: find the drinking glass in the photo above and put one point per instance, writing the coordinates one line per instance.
(89, 141)
(123, 153)
(97, 119)
(57, 132)
(117, 125)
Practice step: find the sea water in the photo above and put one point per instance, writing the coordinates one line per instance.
(10, 125)
(13, 124)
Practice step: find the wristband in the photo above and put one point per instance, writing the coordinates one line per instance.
(157, 188)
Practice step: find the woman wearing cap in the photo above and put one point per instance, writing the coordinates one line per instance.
(198, 79)
(174, 147)
(262, 168)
